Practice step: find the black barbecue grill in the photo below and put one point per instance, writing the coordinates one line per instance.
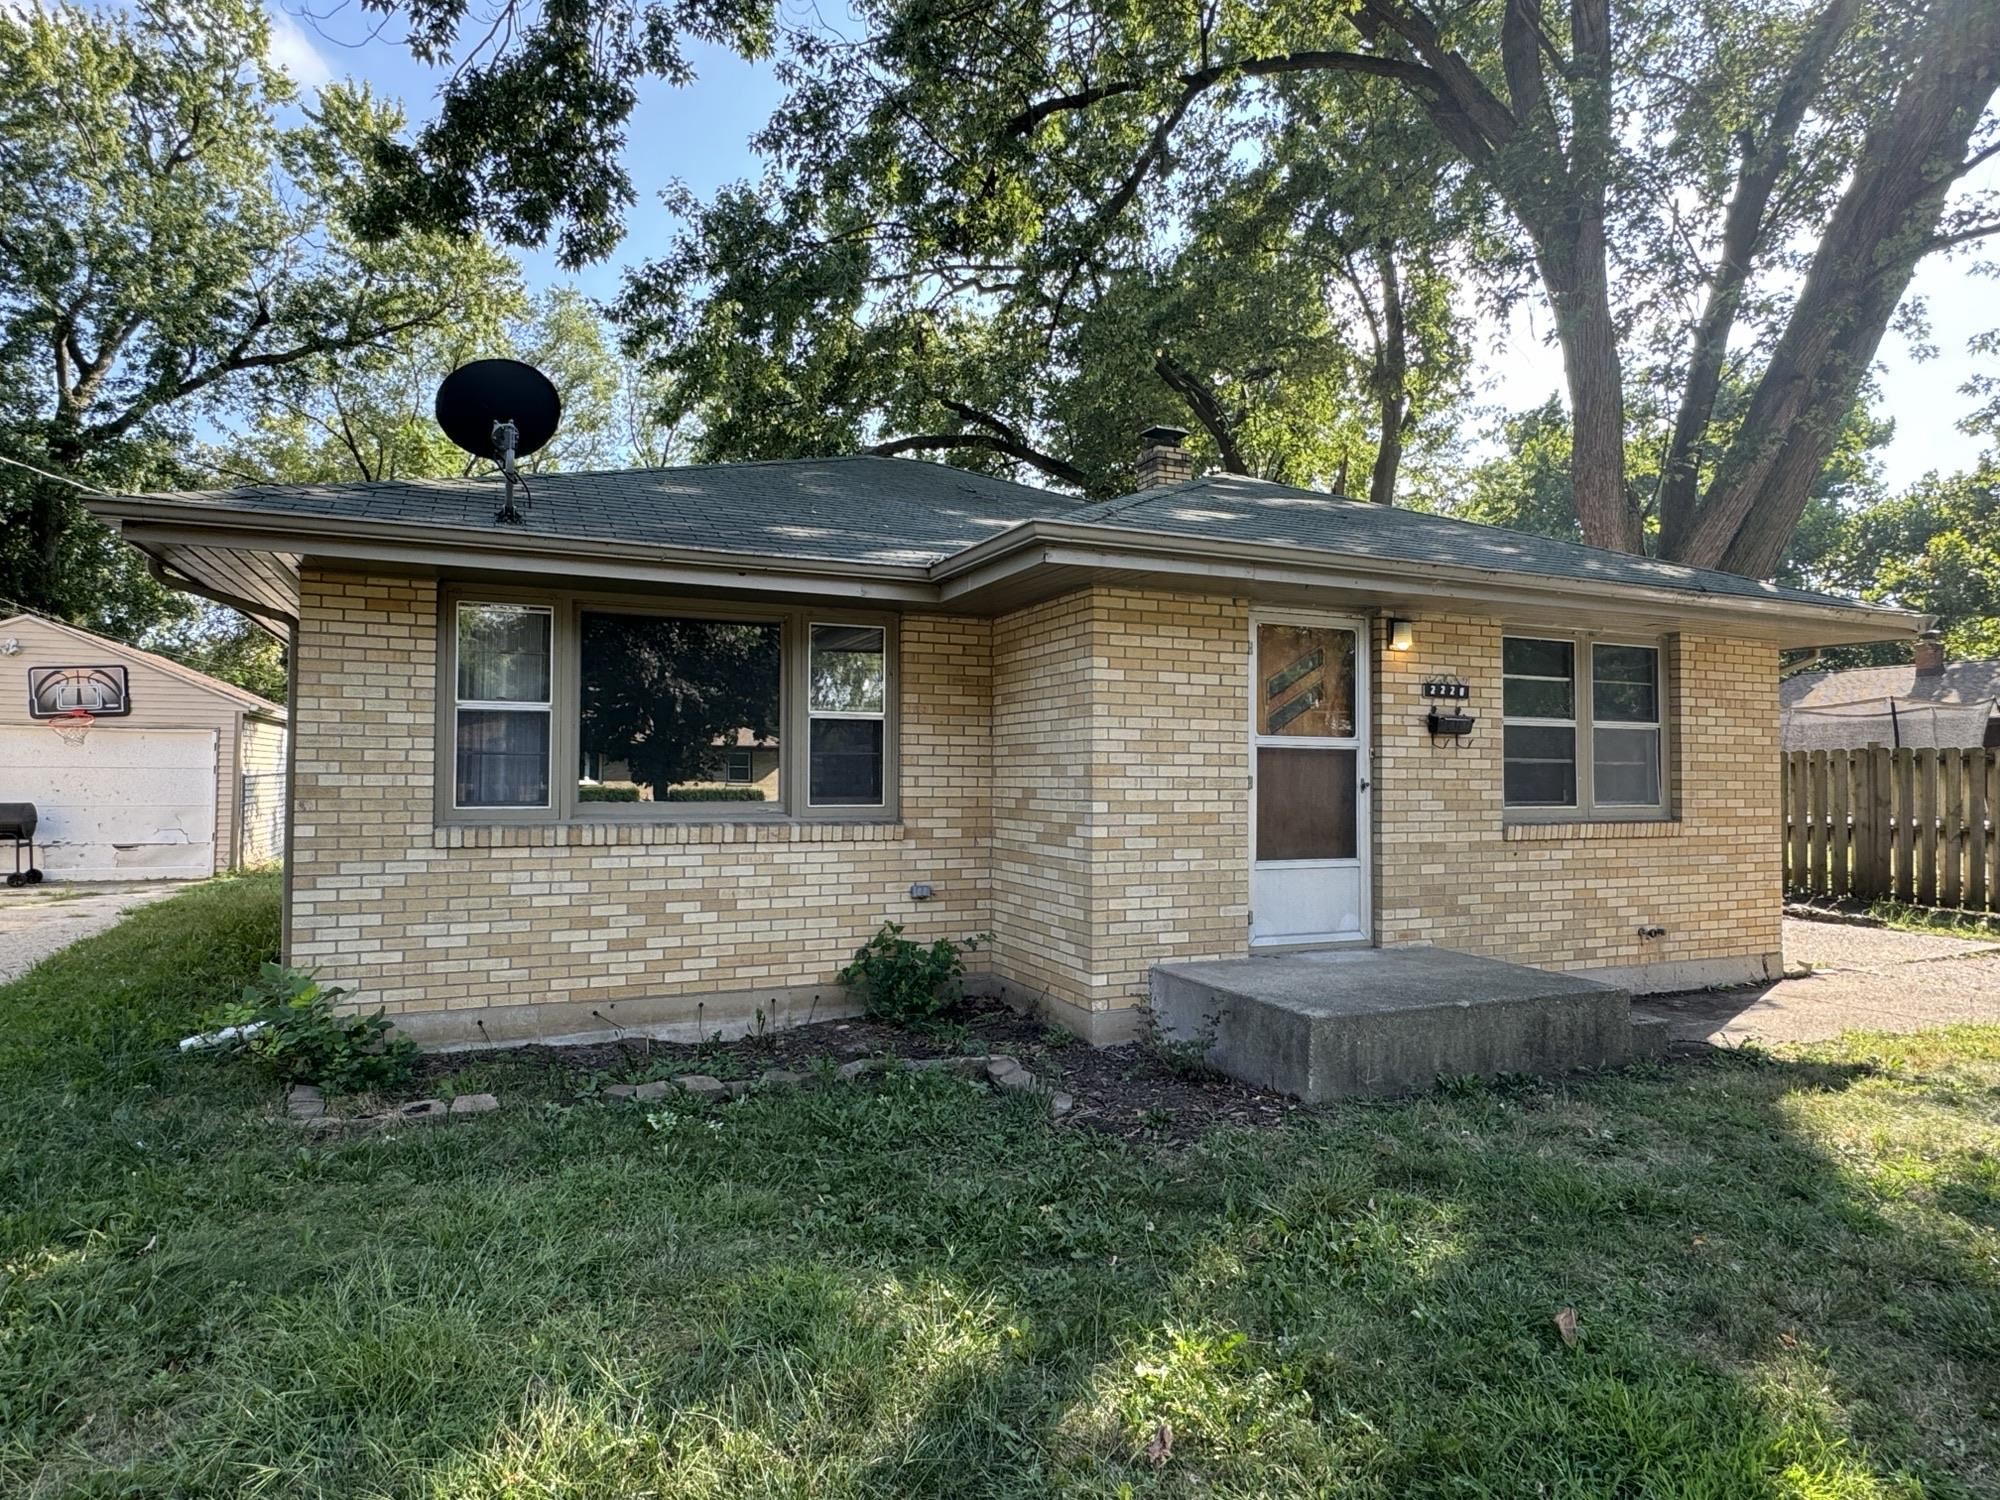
(17, 822)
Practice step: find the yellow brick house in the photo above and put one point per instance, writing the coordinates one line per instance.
(1213, 718)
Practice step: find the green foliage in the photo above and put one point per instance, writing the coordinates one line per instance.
(300, 1037)
(903, 981)
(712, 794)
(223, 644)
(607, 794)
(367, 414)
(171, 252)
(1935, 548)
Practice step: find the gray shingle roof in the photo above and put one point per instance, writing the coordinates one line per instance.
(863, 509)
(1959, 682)
(1229, 507)
(855, 509)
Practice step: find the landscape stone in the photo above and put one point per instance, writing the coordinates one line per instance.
(650, 1093)
(474, 1104)
(1020, 1078)
(998, 1068)
(784, 1078)
(702, 1086)
(1060, 1104)
(849, 1071)
(422, 1111)
(304, 1102)
(622, 1091)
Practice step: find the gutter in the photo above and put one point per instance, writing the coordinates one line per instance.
(956, 579)
(1066, 543)
(167, 523)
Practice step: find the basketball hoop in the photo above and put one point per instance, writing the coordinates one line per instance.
(72, 726)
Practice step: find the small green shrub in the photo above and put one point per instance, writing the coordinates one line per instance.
(301, 1039)
(607, 794)
(903, 981)
(713, 794)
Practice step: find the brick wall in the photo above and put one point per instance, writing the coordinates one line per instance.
(1574, 896)
(425, 920)
(1120, 758)
(1074, 780)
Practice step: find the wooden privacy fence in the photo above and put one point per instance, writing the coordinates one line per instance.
(1913, 825)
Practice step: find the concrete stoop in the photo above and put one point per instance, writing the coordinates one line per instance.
(1378, 1021)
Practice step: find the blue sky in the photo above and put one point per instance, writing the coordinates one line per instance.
(700, 135)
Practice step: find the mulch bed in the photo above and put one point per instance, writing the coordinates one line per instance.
(1128, 1091)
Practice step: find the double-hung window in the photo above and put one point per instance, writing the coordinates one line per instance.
(848, 689)
(503, 713)
(1582, 727)
(635, 709)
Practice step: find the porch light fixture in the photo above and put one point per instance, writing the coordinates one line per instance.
(1402, 635)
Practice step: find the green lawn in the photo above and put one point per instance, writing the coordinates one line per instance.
(1787, 1275)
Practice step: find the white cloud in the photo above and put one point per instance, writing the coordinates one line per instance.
(292, 50)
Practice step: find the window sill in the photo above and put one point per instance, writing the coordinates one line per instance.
(628, 832)
(1535, 832)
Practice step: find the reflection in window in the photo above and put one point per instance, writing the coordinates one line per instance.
(1305, 682)
(679, 709)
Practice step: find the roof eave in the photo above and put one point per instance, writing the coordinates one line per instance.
(151, 520)
(1062, 544)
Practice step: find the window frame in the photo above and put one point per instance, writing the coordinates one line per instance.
(456, 706)
(1586, 808)
(811, 714)
(566, 694)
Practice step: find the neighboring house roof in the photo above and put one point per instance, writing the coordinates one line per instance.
(902, 531)
(1921, 726)
(104, 645)
(1959, 682)
(1956, 708)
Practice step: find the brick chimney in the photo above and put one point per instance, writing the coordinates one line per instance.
(1930, 654)
(1161, 458)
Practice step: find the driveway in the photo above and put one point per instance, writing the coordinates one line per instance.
(1861, 978)
(38, 920)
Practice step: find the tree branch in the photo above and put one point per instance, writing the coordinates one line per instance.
(1742, 229)
(1200, 79)
(1207, 409)
(992, 442)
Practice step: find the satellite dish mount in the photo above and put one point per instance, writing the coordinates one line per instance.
(501, 410)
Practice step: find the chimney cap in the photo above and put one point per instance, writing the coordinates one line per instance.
(1163, 437)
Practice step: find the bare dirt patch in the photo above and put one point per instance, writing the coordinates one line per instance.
(1131, 1091)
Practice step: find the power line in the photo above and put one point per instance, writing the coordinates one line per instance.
(89, 489)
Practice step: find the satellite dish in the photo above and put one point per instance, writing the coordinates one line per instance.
(499, 409)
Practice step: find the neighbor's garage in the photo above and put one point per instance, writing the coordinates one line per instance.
(178, 777)
(126, 804)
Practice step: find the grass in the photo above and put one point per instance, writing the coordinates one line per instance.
(1935, 919)
(1786, 1273)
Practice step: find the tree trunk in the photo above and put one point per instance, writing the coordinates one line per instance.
(1864, 264)
(1580, 296)
(1392, 380)
(1764, 157)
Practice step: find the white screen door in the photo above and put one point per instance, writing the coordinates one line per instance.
(1308, 780)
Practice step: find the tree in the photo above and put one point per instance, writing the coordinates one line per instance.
(1303, 331)
(1733, 189)
(368, 415)
(167, 248)
(1934, 548)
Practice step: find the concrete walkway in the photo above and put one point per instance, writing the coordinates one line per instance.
(1861, 979)
(38, 920)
